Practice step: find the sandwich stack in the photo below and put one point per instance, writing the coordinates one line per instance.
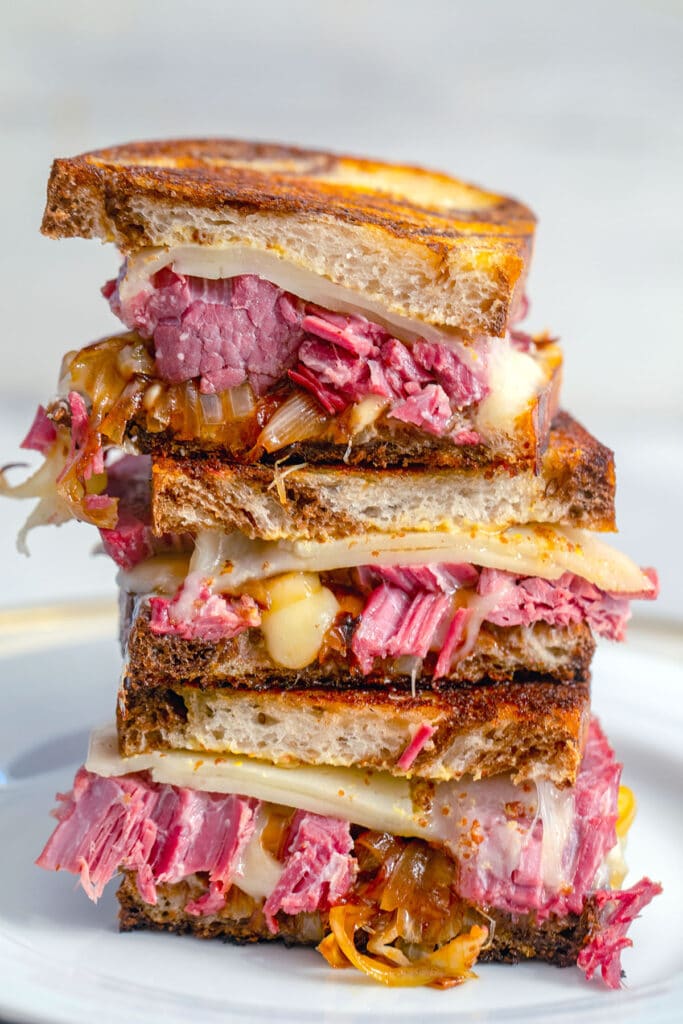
(360, 565)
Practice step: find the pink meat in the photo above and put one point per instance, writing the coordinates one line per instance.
(453, 641)
(418, 626)
(562, 602)
(423, 734)
(132, 539)
(391, 627)
(197, 614)
(224, 332)
(616, 911)
(379, 622)
(444, 577)
(429, 409)
(160, 832)
(42, 433)
(166, 833)
(244, 328)
(457, 380)
(319, 868)
(487, 878)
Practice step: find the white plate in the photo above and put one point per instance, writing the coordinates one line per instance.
(62, 960)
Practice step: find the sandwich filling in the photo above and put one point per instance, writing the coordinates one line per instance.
(323, 601)
(239, 362)
(415, 872)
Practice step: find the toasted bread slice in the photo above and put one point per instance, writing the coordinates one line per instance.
(529, 730)
(575, 487)
(557, 653)
(419, 243)
(557, 940)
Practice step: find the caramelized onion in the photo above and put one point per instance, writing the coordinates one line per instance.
(238, 402)
(297, 419)
(447, 966)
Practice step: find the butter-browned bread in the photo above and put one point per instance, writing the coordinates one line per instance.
(529, 730)
(557, 940)
(418, 242)
(540, 651)
(575, 487)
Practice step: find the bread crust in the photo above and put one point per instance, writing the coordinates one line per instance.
(528, 730)
(501, 653)
(221, 191)
(575, 487)
(556, 940)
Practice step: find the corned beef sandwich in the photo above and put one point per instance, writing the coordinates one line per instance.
(360, 567)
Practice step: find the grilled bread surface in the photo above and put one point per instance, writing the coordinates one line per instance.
(529, 730)
(419, 242)
(557, 940)
(575, 487)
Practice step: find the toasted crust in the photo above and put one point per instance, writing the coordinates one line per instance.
(352, 220)
(501, 653)
(529, 730)
(575, 487)
(556, 940)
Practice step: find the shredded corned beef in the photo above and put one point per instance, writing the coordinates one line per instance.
(423, 734)
(379, 622)
(562, 602)
(160, 832)
(616, 911)
(197, 614)
(319, 869)
(132, 539)
(244, 328)
(402, 617)
(166, 833)
(42, 433)
(489, 878)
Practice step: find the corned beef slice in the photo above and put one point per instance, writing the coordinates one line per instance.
(165, 833)
(616, 911)
(391, 625)
(42, 433)
(319, 868)
(485, 876)
(197, 614)
(242, 329)
(131, 540)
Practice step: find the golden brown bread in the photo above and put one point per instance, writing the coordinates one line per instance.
(552, 653)
(557, 940)
(420, 242)
(529, 730)
(575, 487)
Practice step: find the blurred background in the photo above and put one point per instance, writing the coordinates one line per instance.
(573, 108)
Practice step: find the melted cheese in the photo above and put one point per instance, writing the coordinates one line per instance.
(232, 560)
(213, 263)
(300, 611)
(530, 550)
(514, 380)
(257, 872)
(375, 800)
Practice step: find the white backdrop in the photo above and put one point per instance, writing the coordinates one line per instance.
(574, 108)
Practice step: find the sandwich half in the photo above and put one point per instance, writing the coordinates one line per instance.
(409, 883)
